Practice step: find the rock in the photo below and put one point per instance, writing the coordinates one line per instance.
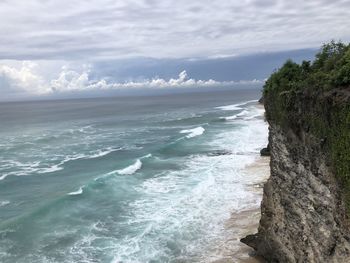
(261, 100)
(251, 240)
(265, 151)
(303, 212)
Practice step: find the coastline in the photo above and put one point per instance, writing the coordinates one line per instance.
(214, 197)
(244, 222)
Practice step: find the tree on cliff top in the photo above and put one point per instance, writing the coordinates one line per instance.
(330, 69)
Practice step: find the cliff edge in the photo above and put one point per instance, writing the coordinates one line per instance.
(306, 203)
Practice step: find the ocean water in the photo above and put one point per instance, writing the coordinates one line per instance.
(133, 179)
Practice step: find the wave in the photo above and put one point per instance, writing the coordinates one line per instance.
(91, 155)
(193, 132)
(101, 153)
(146, 156)
(181, 119)
(229, 118)
(86, 129)
(51, 169)
(229, 107)
(234, 106)
(252, 117)
(242, 115)
(78, 192)
(3, 203)
(34, 167)
(195, 201)
(2, 177)
(131, 169)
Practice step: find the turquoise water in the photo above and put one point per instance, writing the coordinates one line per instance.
(138, 179)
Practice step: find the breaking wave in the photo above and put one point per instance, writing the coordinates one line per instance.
(131, 169)
(78, 192)
(193, 132)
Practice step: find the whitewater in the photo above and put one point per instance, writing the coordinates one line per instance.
(135, 179)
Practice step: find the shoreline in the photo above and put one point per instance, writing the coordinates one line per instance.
(245, 222)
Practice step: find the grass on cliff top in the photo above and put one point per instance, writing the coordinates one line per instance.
(293, 99)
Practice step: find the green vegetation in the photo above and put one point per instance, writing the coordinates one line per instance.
(329, 70)
(314, 97)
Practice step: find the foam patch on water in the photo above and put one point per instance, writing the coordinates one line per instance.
(78, 192)
(91, 155)
(53, 168)
(146, 156)
(229, 107)
(28, 168)
(131, 169)
(193, 132)
(4, 203)
(243, 113)
(246, 114)
(101, 153)
(229, 118)
(2, 177)
(234, 107)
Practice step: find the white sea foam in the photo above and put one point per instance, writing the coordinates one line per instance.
(101, 153)
(78, 192)
(229, 107)
(252, 113)
(24, 169)
(242, 113)
(251, 117)
(2, 177)
(188, 208)
(131, 169)
(86, 129)
(91, 155)
(16, 173)
(50, 169)
(234, 107)
(193, 132)
(146, 156)
(38, 167)
(3, 203)
(247, 114)
(229, 118)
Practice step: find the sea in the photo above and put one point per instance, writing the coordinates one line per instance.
(127, 179)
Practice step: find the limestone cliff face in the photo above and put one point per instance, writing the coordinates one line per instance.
(303, 212)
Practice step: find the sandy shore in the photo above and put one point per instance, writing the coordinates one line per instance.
(245, 222)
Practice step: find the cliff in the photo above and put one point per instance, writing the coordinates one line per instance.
(306, 203)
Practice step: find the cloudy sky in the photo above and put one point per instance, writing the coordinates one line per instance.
(50, 46)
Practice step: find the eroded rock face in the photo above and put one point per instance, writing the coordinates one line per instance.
(303, 216)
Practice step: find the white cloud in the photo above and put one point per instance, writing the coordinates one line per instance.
(24, 79)
(69, 80)
(104, 29)
(27, 80)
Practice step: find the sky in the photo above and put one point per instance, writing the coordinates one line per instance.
(59, 46)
